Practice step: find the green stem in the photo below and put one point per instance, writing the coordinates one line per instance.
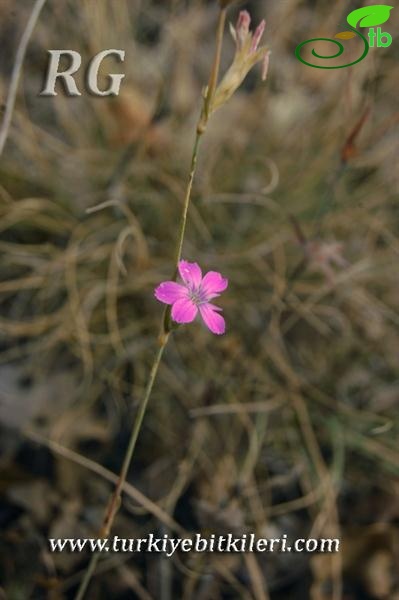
(115, 499)
(114, 503)
(87, 576)
(213, 80)
(167, 322)
(183, 221)
(166, 327)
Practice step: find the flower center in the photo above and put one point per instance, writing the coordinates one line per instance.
(197, 295)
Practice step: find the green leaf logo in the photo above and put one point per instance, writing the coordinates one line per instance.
(369, 16)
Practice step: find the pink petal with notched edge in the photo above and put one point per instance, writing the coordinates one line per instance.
(242, 27)
(212, 319)
(213, 284)
(184, 311)
(258, 35)
(190, 273)
(243, 21)
(169, 292)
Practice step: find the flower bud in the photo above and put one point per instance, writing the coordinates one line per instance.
(247, 54)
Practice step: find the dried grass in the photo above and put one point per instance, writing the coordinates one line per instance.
(296, 407)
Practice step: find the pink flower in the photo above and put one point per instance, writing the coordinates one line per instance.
(194, 295)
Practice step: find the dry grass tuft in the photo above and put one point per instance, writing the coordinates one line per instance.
(288, 424)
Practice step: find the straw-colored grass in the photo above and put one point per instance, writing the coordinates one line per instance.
(279, 425)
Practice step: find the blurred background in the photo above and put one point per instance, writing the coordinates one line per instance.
(289, 422)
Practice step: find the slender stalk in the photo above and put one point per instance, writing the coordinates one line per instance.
(166, 327)
(114, 502)
(87, 576)
(115, 499)
(186, 204)
(213, 79)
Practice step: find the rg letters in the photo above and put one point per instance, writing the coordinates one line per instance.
(91, 79)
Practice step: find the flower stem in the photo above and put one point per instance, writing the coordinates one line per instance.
(87, 576)
(213, 79)
(167, 323)
(115, 499)
(186, 204)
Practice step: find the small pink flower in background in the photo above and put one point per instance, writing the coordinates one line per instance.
(324, 256)
(193, 295)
